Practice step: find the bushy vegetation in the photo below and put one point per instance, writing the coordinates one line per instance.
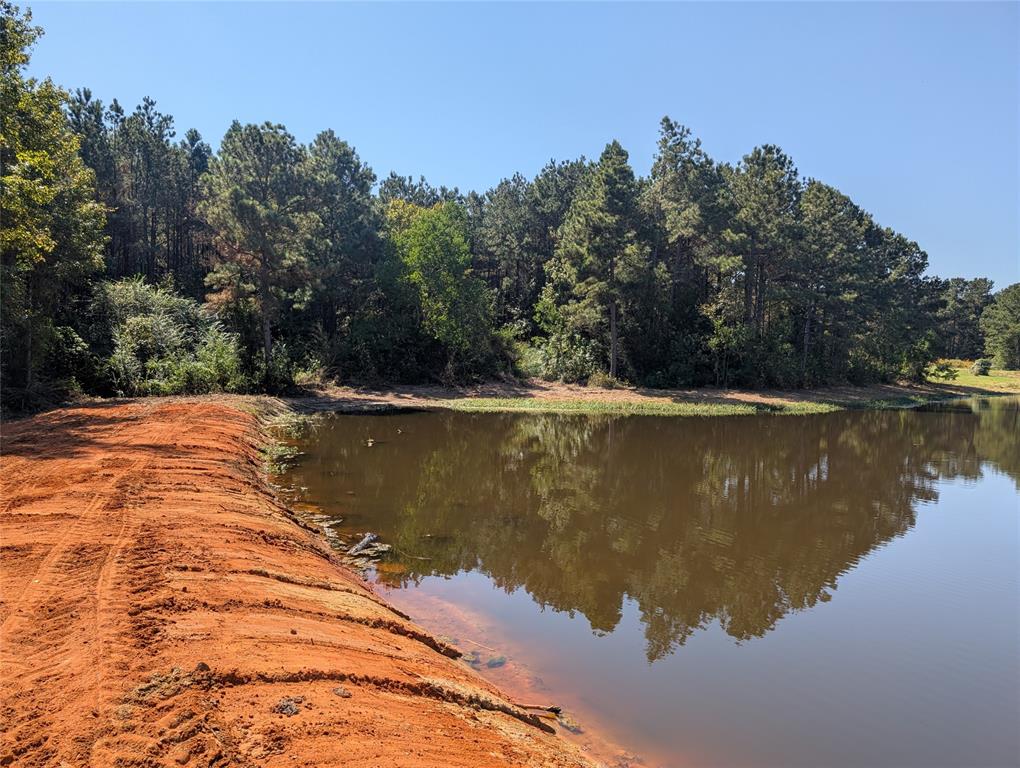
(156, 342)
(51, 227)
(981, 367)
(942, 369)
(133, 262)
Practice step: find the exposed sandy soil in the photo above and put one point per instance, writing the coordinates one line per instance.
(160, 608)
(434, 396)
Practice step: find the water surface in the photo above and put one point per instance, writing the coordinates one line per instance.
(830, 590)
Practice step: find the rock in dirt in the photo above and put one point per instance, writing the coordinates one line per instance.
(342, 692)
(363, 544)
(628, 760)
(569, 723)
(374, 550)
(289, 705)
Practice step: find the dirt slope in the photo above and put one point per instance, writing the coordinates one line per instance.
(159, 608)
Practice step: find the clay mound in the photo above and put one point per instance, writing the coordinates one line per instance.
(159, 607)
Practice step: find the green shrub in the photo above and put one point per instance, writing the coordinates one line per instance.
(941, 369)
(569, 358)
(528, 359)
(603, 380)
(981, 367)
(278, 376)
(68, 357)
(220, 355)
(164, 344)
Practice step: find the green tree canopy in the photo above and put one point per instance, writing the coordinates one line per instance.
(830, 280)
(150, 186)
(432, 247)
(51, 234)
(255, 201)
(959, 318)
(599, 262)
(700, 273)
(342, 241)
(1001, 326)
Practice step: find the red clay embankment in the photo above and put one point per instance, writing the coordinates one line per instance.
(160, 608)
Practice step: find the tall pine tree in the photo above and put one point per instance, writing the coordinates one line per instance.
(600, 259)
(254, 199)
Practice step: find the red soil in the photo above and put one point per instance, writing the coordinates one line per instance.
(160, 608)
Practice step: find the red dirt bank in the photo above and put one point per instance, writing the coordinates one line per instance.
(159, 608)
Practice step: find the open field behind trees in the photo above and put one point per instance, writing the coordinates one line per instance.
(137, 261)
(995, 381)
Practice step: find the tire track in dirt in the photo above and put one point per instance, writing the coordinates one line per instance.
(56, 603)
(167, 611)
(100, 499)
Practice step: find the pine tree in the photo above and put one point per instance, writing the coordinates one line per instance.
(254, 200)
(343, 240)
(1001, 325)
(600, 258)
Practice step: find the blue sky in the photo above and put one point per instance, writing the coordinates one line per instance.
(912, 109)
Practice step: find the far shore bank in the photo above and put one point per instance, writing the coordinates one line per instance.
(537, 396)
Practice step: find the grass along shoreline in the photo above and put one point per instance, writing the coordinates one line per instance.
(656, 408)
(537, 396)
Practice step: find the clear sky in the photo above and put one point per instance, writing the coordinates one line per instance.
(911, 109)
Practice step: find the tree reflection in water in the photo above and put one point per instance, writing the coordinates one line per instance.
(738, 520)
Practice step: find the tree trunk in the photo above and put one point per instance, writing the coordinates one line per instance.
(28, 347)
(759, 302)
(267, 338)
(823, 349)
(264, 300)
(147, 243)
(749, 275)
(612, 339)
(807, 341)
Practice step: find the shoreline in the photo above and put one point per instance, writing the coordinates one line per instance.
(535, 396)
(539, 396)
(158, 599)
(160, 604)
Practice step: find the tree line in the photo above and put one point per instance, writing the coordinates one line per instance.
(137, 262)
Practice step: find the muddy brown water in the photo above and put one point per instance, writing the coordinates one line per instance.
(830, 590)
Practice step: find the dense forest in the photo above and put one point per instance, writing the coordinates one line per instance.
(138, 262)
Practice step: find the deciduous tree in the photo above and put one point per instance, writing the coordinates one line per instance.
(50, 223)
(431, 244)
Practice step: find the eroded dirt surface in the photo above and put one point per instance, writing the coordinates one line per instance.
(160, 608)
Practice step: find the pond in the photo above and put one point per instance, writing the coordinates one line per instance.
(829, 590)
